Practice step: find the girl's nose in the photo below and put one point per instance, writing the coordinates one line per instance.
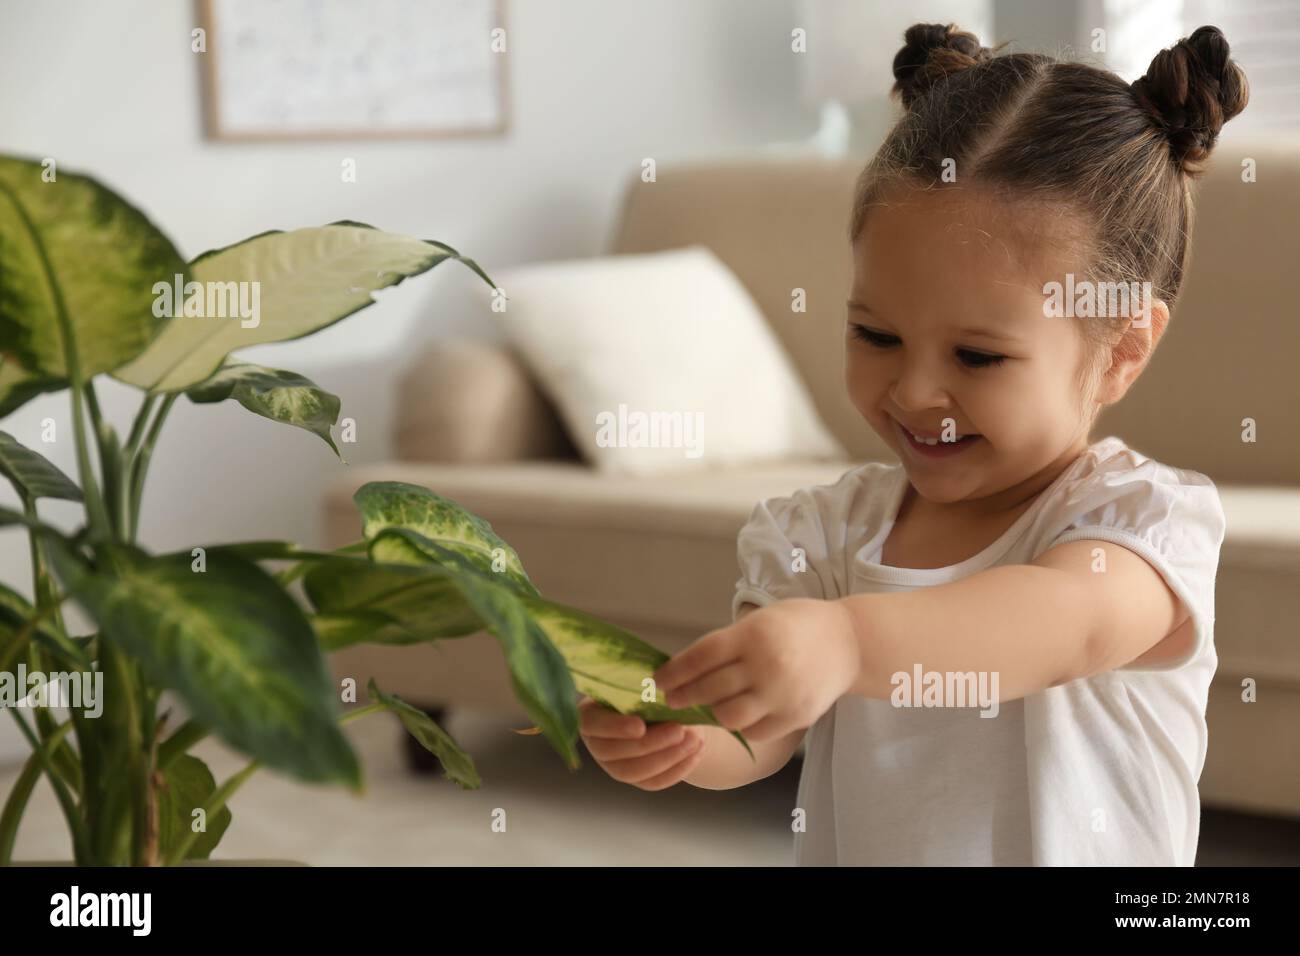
(915, 389)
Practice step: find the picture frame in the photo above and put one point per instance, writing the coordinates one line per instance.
(385, 69)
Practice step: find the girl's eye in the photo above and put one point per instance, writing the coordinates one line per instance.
(968, 357)
(980, 359)
(878, 339)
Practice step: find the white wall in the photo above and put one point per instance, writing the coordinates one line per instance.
(112, 88)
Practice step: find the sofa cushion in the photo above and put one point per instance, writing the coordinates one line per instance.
(660, 363)
(472, 401)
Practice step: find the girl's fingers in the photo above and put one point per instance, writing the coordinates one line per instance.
(639, 769)
(658, 737)
(740, 712)
(598, 720)
(708, 653)
(674, 774)
(769, 728)
(721, 684)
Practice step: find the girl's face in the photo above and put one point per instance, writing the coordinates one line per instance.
(945, 322)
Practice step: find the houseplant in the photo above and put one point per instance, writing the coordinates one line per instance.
(235, 632)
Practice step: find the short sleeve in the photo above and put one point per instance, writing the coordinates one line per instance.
(1172, 517)
(784, 551)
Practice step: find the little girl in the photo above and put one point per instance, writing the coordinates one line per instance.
(1004, 644)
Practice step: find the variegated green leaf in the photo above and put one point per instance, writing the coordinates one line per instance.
(293, 283)
(357, 601)
(18, 386)
(456, 764)
(610, 665)
(31, 474)
(538, 673)
(396, 504)
(233, 645)
(75, 251)
(273, 393)
(605, 662)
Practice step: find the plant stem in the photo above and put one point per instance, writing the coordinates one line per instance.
(127, 678)
(106, 476)
(139, 466)
(129, 465)
(360, 712)
(137, 427)
(24, 636)
(48, 604)
(154, 784)
(60, 791)
(61, 758)
(111, 470)
(12, 814)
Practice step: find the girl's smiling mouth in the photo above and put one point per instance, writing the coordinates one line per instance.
(934, 447)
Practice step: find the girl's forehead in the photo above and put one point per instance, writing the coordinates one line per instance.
(957, 230)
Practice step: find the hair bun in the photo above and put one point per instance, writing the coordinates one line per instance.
(932, 51)
(1191, 90)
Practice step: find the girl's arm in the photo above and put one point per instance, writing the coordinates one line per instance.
(1037, 625)
(725, 765)
(774, 672)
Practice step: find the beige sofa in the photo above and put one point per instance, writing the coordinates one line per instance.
(657, 555)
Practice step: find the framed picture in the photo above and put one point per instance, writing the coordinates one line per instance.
(338, 69)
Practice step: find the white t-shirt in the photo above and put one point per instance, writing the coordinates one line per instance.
(1099, 771)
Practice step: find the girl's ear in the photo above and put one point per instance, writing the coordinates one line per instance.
(1132, 351)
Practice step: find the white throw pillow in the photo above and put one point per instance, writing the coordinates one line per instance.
(664, 349)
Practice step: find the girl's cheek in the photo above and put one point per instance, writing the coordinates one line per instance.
(862, 385)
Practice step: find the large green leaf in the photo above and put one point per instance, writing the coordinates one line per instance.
(456, 764)
(606, 662)
(273, 393)
(396, 504)
(357, 601)
(234, 646)
(31, 474)
(18, 386)
(304, 280)
(538, 673)
(188, 785)
(73, 250)
(609, 664)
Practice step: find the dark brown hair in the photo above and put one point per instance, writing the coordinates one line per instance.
(1027, 126)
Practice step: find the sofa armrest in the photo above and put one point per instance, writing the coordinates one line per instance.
(470, 401)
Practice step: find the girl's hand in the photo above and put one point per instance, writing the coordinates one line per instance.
(774, 671)
(652, 759)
